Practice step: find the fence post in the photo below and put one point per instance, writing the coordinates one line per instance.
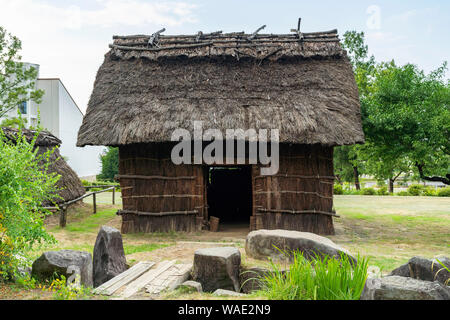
(95, 203)
(62, 216)
(114, 196)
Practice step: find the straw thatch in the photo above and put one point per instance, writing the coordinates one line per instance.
(299, 83)
(69, 184)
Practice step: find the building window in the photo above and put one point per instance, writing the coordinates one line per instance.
(23, 107)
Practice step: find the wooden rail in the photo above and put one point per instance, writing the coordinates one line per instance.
(62, 208)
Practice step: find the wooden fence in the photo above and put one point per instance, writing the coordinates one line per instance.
(62, 208)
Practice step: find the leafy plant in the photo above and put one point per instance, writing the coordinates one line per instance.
(382, 191)
(338, 189)
(25, 183)
(63, 291)
(368, 191)
(319, 278)
(443, 192)
(416, 189)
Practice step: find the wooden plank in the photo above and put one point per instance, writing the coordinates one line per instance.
(170, 279)
(111, 286)
(129, 176)
(141, 213)
(143, 280)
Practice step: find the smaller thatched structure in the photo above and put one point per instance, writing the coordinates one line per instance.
(69, 184)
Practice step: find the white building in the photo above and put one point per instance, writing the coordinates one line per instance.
(60, 115)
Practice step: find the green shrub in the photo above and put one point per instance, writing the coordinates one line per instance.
(402, 194)
(368, 191)
(383, 191)
(429, 192)
(320, 278)
(338, 189)
(352, 192)
(443, 192)
(25, 183)
(416, 189)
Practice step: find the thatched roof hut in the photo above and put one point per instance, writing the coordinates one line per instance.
(299, 83)
(69, 184)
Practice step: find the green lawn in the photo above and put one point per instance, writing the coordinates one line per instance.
(392, 229)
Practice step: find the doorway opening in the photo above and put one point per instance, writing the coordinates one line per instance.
(229, 195)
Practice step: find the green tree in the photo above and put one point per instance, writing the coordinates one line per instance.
(17, 82)
(25, 183)
(110, 164)
(347, 163)
(407, 122)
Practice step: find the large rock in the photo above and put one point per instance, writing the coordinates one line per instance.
(217, 268)
(66, 263)
(424, 269)
(404, 288)
(109, 256)
(250, 278)
(262, 244)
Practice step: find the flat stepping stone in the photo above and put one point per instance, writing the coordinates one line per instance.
(169, 279)
(227, 293)
(192, 284)
(113, 285)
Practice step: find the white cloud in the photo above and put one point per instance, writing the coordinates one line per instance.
(110, 13)
(70, 41)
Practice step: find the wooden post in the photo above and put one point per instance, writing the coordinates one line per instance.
(62, 216)
(95, 203)
(114, 196)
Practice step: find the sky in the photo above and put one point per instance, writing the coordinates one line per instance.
(68, 38)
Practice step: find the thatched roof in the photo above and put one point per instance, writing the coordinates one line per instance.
(299, 83)
(69, 183)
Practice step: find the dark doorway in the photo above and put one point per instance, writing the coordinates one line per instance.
(229, 194)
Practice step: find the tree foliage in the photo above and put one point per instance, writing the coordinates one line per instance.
(407, 121)
(17, 82)
(25, 183)
(110, 164)
(405, 117)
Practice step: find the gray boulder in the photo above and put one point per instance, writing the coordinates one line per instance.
(109, 256)
(263, 244)
(424, 269)
(250, 278)
(64, 262)
(404, 288)
(217, 268)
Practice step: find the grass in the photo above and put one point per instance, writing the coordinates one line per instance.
(319, 278)
(130, 249)
(392, 229)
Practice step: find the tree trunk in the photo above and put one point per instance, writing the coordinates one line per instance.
(356, 174)
(391, 185)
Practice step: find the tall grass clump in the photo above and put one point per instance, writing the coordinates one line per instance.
(316, 278)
